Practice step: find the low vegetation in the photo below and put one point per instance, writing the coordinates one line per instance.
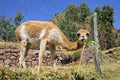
(8, 45)
(73, 18)
(72, 71)
(110, 71)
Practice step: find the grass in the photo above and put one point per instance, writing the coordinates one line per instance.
(84, 72)
(10, 45)
(110, 70)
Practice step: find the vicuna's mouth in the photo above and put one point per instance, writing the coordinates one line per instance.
(82, 40)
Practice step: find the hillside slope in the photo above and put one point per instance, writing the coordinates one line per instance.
(76, 17)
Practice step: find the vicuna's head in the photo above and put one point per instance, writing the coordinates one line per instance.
(82, 35)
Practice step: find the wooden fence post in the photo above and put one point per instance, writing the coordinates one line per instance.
(97, 64)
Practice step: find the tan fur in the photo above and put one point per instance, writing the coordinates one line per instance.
(34, 27)
(46, 33)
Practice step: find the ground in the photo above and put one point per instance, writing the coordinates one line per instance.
(109, 63)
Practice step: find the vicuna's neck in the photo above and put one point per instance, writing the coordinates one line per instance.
(70, 46)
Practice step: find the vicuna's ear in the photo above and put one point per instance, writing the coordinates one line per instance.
(76, 37)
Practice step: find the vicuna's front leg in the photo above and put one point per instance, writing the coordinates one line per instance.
(42, 51)
(25, 46)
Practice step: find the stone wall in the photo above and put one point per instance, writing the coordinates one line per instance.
(11, 58)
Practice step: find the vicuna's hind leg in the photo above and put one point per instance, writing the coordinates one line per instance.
(25, 46)
(53, 53)
(42, 51)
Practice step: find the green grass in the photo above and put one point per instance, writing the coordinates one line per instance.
(10, 45)
(110, 71)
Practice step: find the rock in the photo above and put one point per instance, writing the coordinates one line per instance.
(13, 57)
(1, 53)
(7, 61)
(34, 62)
(15, 61)
(12, 65)
(14, 54)
(49, 56)
(36, 55)
(8, 53)
(28, 59)
(30, 56)
(2, 57)
(29, 63)
(1, 61)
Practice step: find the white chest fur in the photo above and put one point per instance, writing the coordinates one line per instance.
(54, 36)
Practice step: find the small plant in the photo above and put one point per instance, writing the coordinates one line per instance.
(77, 76)
(87, 43)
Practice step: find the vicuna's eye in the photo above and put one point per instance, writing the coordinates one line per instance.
(87, 34)
(78, 34)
